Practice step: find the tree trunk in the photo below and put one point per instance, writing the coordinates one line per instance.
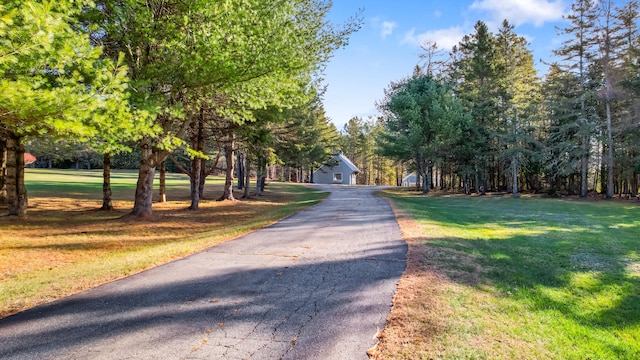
(609, 150)
(228, 184)
(584, 167)
(240, 169)
(429, 177)
(162, 186)
(477, 182)
(426, 178)
(16, 191)
(514, 169)
(196, 166)
(107, 204)
(144, 188)
(260, 175)
(203, 177)
(425, 187)
(3, 171)
(247, 177)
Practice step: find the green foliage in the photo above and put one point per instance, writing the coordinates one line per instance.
(306, 138)
(232, 57)
(54, 82)
(237, 55)
(423, 119)
(358, 142)
(574, 134)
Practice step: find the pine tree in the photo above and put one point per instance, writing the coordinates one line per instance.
(519, 98)
(477, 69)
(577, 55)
(54, 83)
(629, 135)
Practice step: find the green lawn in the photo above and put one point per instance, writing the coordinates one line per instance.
(87, 184)
(531, 278)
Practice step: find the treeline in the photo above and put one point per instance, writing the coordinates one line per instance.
(483, 119)
(190, 81)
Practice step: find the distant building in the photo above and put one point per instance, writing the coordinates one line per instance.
(338, 170)
(29, 159)
(409, 180)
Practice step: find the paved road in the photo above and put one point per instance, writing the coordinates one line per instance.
(317, 285)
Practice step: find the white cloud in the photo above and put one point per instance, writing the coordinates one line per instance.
(445, 38)
(522, 11)
(387, 28)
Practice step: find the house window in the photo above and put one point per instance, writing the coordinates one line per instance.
(337, 177)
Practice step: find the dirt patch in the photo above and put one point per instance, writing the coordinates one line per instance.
(590, 262)
(424, 322)
(418, 314)
(632, 266)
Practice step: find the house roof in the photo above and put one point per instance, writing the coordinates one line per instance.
(410, 177)
(350, 165)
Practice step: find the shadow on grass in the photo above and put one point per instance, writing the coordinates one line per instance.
(577, 260)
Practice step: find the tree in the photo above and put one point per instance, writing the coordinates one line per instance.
(477, 75)
(357, 143)
(562, 149)
(422, 119)
(616, 39)
(306, 138)
(246, 55)
(576, 55)
(53, 82)
(628, 134)
(519, 95)
(433, 59)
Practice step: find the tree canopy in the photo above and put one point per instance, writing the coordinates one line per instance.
(55, 83)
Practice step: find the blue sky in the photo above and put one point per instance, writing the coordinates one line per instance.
(387, 47)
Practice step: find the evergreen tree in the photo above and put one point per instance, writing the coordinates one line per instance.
(422, 121)
(519, 99)
(477, 74)
(240, 55)
(629, 129)
(55, 83)
(577, 55)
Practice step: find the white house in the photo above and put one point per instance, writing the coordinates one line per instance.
(338, 170)
(409, 180)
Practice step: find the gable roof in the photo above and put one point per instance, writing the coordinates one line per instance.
(350, 165)
(410, 177)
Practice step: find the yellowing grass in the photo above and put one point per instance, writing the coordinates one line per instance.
(66, 245)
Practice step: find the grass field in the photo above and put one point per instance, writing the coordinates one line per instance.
(65, 244)
(502, 278)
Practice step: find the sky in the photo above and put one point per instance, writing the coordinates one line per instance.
(386, 48)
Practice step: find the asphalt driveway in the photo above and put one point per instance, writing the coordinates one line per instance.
(317, 285)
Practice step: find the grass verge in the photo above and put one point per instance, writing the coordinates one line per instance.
(501, 278)
(65, 245)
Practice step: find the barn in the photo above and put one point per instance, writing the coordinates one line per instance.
(338, 170)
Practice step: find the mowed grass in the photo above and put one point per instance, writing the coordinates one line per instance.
(502, 278)
(65, 244)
